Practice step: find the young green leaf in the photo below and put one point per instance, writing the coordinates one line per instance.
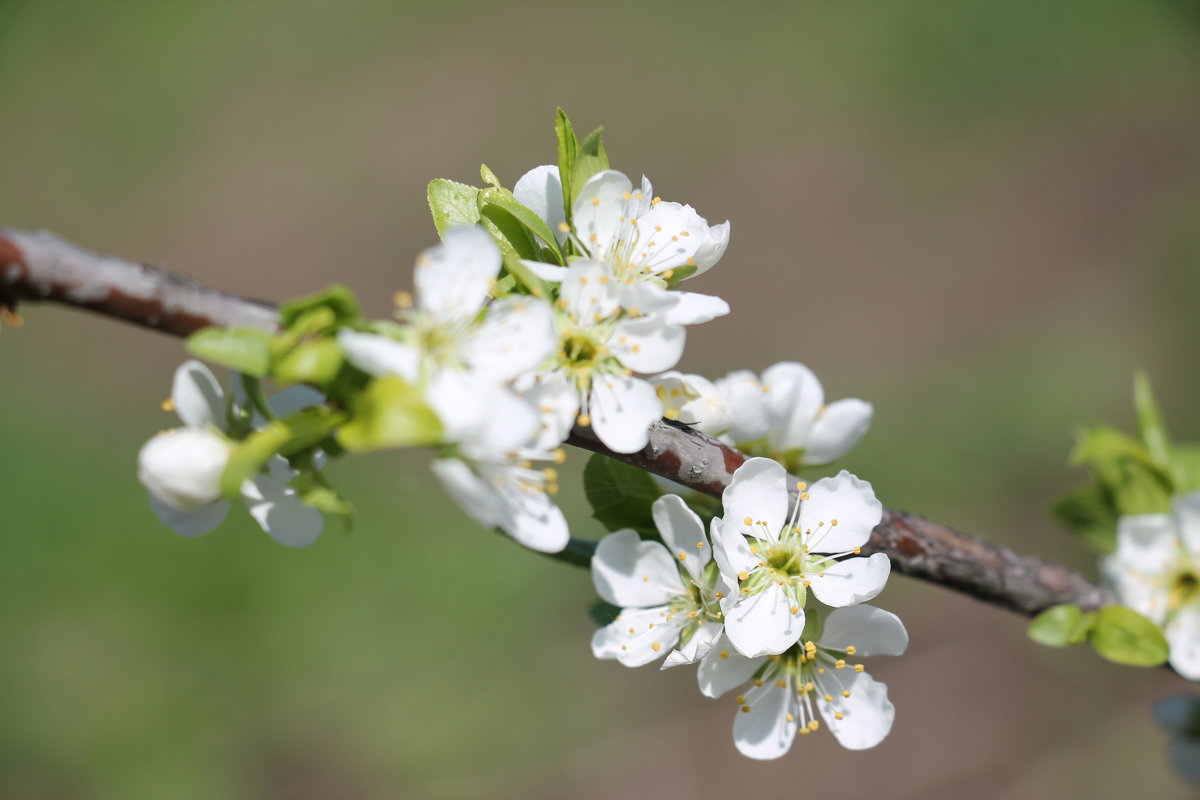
(568, 150)
(243, 349)
(389, 413)
(489, 177)
(590, 159)
(316, 361)
(620, 495)
(1089, 511)
(1185, 468)
(527, 218)
(452, 203)
(285, 436)
(1150, 424)
(1124, 636)
(336, 299)
(1061, 625)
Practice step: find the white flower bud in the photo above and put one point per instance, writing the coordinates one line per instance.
(182, 468)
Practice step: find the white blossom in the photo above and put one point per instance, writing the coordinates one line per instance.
(1156, 572)
(182, 467)
(788, 691)
(773, 558)
(669, 592)
(694, 400)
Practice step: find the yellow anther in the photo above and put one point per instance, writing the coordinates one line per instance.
(646, 579)
(650, 625)
(813, 725)
(691, 262)
(656, 646)
(628, 196)
(740, 699)
(603, 279)
(699, 544)
(838, 715)
(564, 227)
(583, 280)
(810, 646)
(833, 522)
(808, 687)
(671, 413)
(743, 575)
(168, 404)
(781, 684)
(840, 663)
(638, 195)
(718, 595)
(828, 698)
(682, 556)
(402, 299)
(724, 654)
(804, 495)
(790, 718)
(858, 551)
(559, 455)
(851, 650)
(807, 584)
(633, 630)
(801, 486)
(746, 709)
(859, 667)
(584, 420)
(595, 201)
(846, 693)
(795, 609)
(656, 201)
(668, 274)
(820, 670)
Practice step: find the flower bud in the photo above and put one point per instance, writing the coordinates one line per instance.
(182, 468)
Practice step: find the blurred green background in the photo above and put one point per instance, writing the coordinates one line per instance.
(980, 216)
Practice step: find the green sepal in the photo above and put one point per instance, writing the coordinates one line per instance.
(1061, 625)
(243, 349)
(452, 203)
(1124, 636)
(336, 299)
(287, 436)
(620, 495)
(317, 361)
(389, 413)
(680, 274)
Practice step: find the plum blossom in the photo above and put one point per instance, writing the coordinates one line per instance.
(669, 592)
(1156, 572)
(773, 558)
(182, 467)
(791, 689)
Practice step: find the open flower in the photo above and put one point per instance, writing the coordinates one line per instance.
(694, 400)
(182, 467)
(646, 242)
(1156, 572)
(668, 592)
(815, 678)
(774, 558)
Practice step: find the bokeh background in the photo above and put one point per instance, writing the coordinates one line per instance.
(980, 216)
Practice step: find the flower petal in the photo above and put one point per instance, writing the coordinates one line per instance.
(794, 396)
(750, 414)
(638, 636)
(697, 647)
(682, 532)
(454, 278)
(693, 400)
(1187, 516)
(516, 335)
(599, 210)
(647, 344)
(838, 427)
(182, 467)
(668, 235)
(758, 493)
(623, 408)
(540, 190)
(693, 309)
(869, 630)
(1183, 636)
(278, 509)
(730, 550)
(763, 623)
(557, 405)
(841, 512)
(765, 724)
(724, 668)
(629, 572)
(192, 523)
(477, 497)
(1147, 542)
(531, 516)
(854, 580)
(198, 398)
(867, 714)
(375, 354)
(589, 292)
(293, 399)
(716, 240)
(551, 273)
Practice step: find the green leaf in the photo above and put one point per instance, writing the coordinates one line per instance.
(327, 501)
(243, 349)
(1089, 511)
(317, 362)
(1061, 625)
(452, 203)
(513, 238)
(1150, 424)
(1124, 636)
(316, 307)
(489, 177)
(590, 159)
(389, 413)
(528, 219)
(1100, 445)
(1141, 490)
(1185, 468)
(286, 436)
(568, 150)
(620, 495)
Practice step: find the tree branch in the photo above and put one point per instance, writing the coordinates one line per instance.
(41, 267)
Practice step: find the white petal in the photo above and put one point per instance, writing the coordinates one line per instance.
(716, 240)
(730, 550)
(750, 414)
(1183, 636)
(837, 428)
(380, 355)
(682, 532)
(622, 409)
(557, 405)
(192, 523)
(767, 728)
(794, 396)
(763, 623)
(758, 493)
(1146, 593)
(692, 308)
(629, 572)
(1187, 516)
(293, 399)
(590, 292)
(692, 399)
(182, 468)
(198, 398)
(278, 509)
(454, 278)
(511, 426)
(867, 714)
(668, 235)
(478, 498)
(724, 668)
(1147, 542)
(647, 344)
(644, 297)
(854, 580)
(598, 210)
(540, 190)
(870, 630)
(551, 273)
(697, 647)
(532, 518)
(633, 637)
(841, 512)
(516, 335)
